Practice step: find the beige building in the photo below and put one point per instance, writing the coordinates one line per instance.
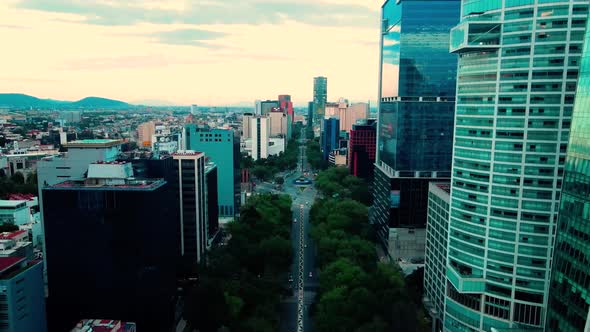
(145, 131)
(246, 125)
(352, 114)
(278, 122)
(348, 114)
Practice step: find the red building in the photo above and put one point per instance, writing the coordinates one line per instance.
(361, 149)
(286, 105)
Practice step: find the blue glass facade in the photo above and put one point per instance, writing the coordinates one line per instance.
(330, 136)
(416, 135)
(415, 48)
(223, 148)
(416, 110)
(569, 299)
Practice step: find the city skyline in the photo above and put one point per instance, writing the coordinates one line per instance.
(185, 52)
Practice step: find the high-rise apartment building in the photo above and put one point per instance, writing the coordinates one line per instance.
(260, 127)
(145, 131)
(362, 146)
(518, 68)
(22, 300)
(435, 259)
(111, 236)
(278, 122)
(191, 192)
(246, 125)
(258, 107)
(330, 136)
(320, 96)
(569, 300)
(416, 109)
(223, 148)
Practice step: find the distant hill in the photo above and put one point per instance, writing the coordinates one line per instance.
(18, 100)
(97, 102)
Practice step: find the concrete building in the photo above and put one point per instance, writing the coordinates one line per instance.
(223, 148)
(352, 114)
(416, 110)
(435, 260)
(111, 236)
(338, 157)
(286, 106)
(246, 131)
(257, 107)
(145, 131)
(278, 122)
(310, 114)
(192, 189)
(276, 145)
(22, 296)
(320, 96)
(518, 70)
(260, 128)
(362, 147)
(14, 212)
(569, 302)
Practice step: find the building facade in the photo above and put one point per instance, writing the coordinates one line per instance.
(330, 136)
(362, 147)
(191, 189)
(267, 105)
(22, 296)
(569, 301)
(435, 259)
(223, 148)
(211, 198)
(352, 114)
(310, 114)
(518, 68)
(260, 127)
(416, 109)
(107, 239)
(145, 131)
(320, 96)
(246, 131)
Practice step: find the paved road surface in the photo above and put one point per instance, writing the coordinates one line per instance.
(295, 309)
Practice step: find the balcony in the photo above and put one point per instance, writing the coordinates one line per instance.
(475, 36)
(465, 284)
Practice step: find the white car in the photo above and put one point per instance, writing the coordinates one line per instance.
(310, 275)
(295, 220)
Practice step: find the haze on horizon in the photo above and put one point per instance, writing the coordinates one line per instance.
(189, 51)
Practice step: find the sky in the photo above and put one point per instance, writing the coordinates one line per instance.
(204, 52)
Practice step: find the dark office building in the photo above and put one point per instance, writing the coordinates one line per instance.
(416, 111)
(211, 196)
(330, 136)
(111, 252)
(361, 149)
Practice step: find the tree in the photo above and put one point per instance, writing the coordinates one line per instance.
(18, 178)
(280, 180)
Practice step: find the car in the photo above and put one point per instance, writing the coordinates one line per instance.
(305, 245)
(295, 220)
(290, 278)
(310, 275)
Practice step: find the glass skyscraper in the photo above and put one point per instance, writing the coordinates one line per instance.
(569, 297)
(417, 93)
(518, 68)
(320, 96)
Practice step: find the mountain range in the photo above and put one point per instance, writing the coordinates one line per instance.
(18, 100)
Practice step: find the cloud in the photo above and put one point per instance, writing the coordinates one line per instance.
(12, 26)
(251, 12)
(156, 60)
(190, 37)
